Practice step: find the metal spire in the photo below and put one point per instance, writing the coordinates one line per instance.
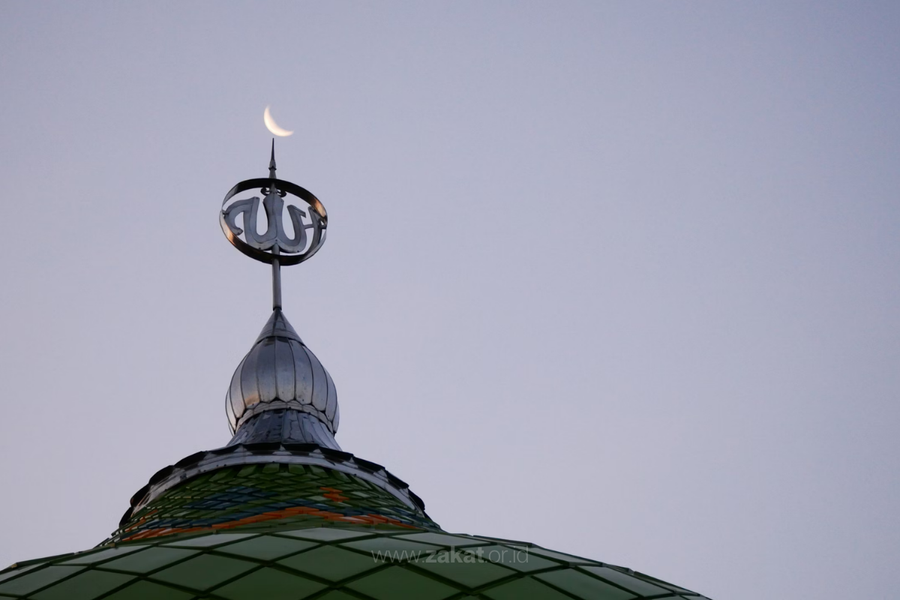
(282, 379)
(276, 262)
(275, 246)
(272, 161)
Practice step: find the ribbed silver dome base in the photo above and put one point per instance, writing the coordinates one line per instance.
(284, 426)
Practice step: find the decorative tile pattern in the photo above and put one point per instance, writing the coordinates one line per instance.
(344, 466)
(272, 494)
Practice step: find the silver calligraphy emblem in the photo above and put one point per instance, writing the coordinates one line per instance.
(274, 245)
(308, 221)
(275, 235)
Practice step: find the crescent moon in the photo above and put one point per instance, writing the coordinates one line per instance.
(272, 126)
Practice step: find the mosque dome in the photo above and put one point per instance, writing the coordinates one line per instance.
(281, 512)
(281, 373)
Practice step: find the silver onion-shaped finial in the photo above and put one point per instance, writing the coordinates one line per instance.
(281, 374)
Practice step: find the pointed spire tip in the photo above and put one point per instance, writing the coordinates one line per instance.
(272, 161)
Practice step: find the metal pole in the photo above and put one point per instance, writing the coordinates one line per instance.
(276, 280)
(276, 263)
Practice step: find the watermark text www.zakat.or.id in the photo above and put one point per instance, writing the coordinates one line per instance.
(513, 555)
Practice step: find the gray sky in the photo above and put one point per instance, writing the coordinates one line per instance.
(620, 279)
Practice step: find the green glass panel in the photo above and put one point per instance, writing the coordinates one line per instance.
(331, 563)
(84, 586)
(146, 590)
(212, 539)
(269, 584)
(397, 583)
(17, 572)
(567, 558)
(463, 568)
(638, 586)
(391, 549)
(501, 541)
(95, 557)
(204, 571)
(520, 559)
(667, 585)
(267, 547)
(149, 560)
(583, 586)
(522, 589)
(337, 595)
(36, 580)
(443, 539)
(326, 534)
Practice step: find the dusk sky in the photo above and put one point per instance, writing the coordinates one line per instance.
(621, 279)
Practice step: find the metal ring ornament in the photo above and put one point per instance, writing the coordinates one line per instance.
(319, 221)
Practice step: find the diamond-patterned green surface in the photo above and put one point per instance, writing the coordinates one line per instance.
(528, 588)
(633, 584)
(149, 559)
(147, 590)
(331, 562)
(267, 547)
(583, 586)
(279, 532)
(516, 557)
(88, 585)
(455, 567)
(204, 571)
(94, 557)
(334, 562)
(270, 584)
(37, 579)
(397, 582)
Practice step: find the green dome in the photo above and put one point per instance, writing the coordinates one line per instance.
(276, 531)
